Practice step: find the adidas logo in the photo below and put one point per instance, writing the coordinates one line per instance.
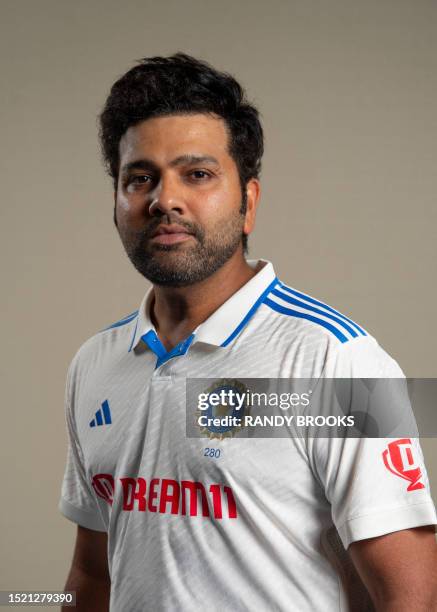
(103, 415)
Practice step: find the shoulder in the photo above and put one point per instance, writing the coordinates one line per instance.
(105, 345)
(349, 349)
(308, 314)
(362, 358)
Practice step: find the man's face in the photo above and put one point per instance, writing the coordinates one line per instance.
(178, 199)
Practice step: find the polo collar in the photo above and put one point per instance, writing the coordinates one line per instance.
(227, 321)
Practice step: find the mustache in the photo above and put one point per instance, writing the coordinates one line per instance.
(170, 219)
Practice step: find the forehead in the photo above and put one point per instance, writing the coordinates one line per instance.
(164, 138)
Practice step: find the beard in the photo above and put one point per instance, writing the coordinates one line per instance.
(182, 264)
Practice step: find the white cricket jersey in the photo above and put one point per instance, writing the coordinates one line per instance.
(235, 523)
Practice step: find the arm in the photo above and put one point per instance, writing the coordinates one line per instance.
(399, 569)
(89, 574)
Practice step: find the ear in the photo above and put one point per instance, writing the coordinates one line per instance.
(253, 192)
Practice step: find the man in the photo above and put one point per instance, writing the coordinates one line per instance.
(167, 522)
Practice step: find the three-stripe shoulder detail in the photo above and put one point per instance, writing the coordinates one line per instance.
(290, 302)
(123, 321)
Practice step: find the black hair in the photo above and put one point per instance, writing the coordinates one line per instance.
(182, 84)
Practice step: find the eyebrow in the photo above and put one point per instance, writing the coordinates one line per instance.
(148, 164)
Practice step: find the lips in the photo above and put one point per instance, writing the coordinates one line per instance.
(170, 229)
(170, 234)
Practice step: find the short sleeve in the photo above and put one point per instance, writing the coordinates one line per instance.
(375, 485)
(77, 501)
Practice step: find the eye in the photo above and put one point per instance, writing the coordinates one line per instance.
(199, 174)
(140, 179)
(137, 182)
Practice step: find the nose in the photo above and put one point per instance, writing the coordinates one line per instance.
(166, 198)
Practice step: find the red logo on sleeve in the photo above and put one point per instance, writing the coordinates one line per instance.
(103, 485)
(399, 460)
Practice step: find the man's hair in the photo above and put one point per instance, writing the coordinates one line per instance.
(181, 84)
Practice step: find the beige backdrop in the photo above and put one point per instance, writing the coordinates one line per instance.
(348, 94)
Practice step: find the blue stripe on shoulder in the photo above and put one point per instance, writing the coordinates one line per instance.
(322, 305)
(303, 315)
(291, 300)
(123, 321)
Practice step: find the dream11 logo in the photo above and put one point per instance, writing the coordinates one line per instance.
(104, 487)
(398, 459)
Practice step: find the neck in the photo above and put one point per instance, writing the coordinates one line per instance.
(176, 312)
